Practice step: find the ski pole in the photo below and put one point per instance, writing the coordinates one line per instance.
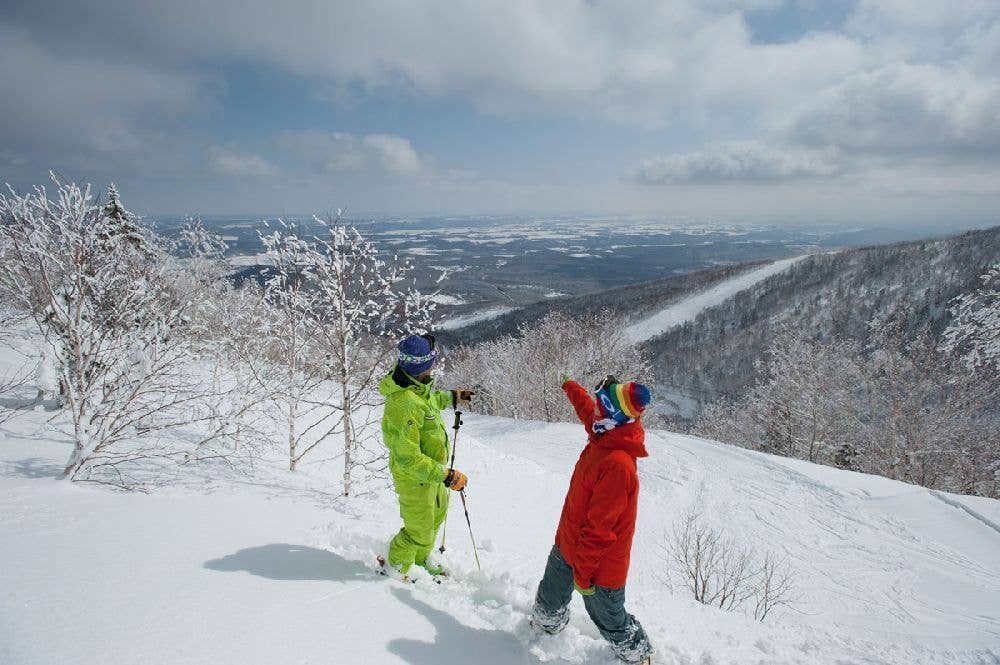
(475, 550)
(454, 445)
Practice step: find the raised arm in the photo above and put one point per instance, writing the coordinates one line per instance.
(582, 403)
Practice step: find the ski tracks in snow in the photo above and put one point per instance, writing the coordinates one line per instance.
(869, 551)
(876, 563)
(487, 605)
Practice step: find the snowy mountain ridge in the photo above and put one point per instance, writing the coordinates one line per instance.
(827, 296)
(224, 565)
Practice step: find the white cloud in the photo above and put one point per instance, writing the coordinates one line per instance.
(341, 152)
(395, 153)
(640, 60)
(747, 161)
(901, 81)
(320, 151)
(230, 163)
(906, 109)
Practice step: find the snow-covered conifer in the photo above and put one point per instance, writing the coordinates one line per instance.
(121, 224)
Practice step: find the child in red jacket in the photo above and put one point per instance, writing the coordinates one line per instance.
(594, 539)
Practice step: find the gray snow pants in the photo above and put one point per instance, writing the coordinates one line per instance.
(606, 609)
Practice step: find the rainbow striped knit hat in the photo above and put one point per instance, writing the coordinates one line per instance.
(623, 401)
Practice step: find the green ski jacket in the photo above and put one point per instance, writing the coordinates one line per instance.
(413, 429)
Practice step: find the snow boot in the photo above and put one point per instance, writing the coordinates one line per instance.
(550, 624)
(435, 569)
(395, 572)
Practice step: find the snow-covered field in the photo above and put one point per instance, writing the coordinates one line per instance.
(688, 309)
(222, 566)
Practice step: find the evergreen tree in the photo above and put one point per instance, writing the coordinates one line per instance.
(122, 224)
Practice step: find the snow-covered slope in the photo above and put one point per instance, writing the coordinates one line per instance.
(689, 308)
(475, 317)
(270, 567)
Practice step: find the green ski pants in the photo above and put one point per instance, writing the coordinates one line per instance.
(423, 507)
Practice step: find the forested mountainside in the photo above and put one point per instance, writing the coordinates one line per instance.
(825, 296)
(631, 302)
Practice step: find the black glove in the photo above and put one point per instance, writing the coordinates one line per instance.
(608, 380)
(461, 396)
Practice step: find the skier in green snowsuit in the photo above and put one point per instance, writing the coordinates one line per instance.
(417, 439)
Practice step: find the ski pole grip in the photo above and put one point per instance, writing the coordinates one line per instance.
(458, 421)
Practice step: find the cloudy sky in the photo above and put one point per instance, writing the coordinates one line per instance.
(786, 110)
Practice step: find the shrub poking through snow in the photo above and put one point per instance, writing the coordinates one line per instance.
(720, 572)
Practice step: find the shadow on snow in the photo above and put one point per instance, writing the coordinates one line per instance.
(281, 561)
(456, 641)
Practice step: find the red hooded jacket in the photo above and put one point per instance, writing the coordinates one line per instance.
(598, 517)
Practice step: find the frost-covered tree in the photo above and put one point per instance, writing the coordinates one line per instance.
(799, 408)
(904, 411)
(122, 224)
(519, 376)
(924, 419)
(294, 335)
(107, 310)
(364, 305)
(226, 326)
(974, 333)
(14, 380)
(338, 305)
(203, 276)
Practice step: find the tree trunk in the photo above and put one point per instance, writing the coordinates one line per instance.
(348, 439)
(292, 460)
(75, 460)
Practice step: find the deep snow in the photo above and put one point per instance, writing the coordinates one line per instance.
(273, 567)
